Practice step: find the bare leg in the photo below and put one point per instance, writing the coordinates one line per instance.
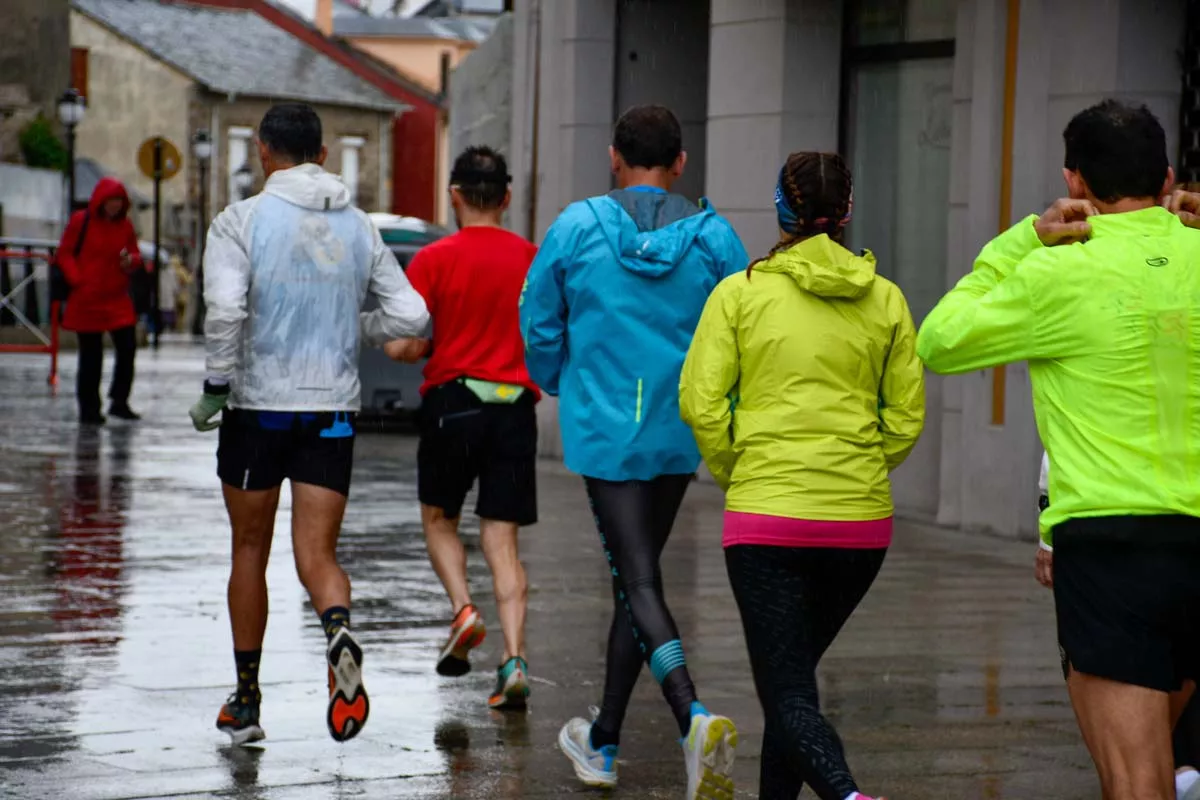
(252, 517)
(447, 555)
(1128, 732)
(316, 523)
(499, 540)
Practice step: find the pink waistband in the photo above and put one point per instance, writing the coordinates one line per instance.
(764, 529)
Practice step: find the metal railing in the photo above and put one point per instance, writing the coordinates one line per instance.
(25, 296)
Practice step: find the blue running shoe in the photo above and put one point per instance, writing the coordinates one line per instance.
(597, 768)
(512, 686)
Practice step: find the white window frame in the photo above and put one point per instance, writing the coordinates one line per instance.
(352, 147)
(239, 154)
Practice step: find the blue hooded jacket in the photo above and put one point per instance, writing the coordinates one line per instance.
(608, 312)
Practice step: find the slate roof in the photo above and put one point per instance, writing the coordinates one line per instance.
(235, 52)
(461, 29)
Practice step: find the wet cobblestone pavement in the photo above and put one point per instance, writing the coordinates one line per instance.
(115, 649)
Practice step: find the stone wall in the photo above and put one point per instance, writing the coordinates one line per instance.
(481, 95)
(220, 115)
(35, 65)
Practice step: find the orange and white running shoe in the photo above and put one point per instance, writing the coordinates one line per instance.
(466, 633)
(348, 702)
(240, 720)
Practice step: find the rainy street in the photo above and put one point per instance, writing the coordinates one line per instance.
(115, 645)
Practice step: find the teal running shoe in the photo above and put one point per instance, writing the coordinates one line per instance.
(512, 686)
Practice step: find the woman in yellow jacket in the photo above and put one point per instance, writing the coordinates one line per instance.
(804, 391)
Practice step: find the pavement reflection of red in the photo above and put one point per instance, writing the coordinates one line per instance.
(88, 574)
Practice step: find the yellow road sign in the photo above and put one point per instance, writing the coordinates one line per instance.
(169, 161)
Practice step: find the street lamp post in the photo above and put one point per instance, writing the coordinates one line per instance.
(202, 149)
(243, 179)
(71, 108)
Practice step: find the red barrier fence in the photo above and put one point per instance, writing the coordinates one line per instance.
(8, 306)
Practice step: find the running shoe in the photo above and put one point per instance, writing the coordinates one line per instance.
(708, 750)
(240, 721)
(348, 702)
(596, 768)
(512, 685)
(1193, 792)
(466, 633)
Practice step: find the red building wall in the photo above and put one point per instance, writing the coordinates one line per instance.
(414, 162)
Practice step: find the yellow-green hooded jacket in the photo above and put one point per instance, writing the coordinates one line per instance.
(1111, 330)
(818, 355)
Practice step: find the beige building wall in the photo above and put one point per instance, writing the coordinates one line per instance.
(131, 97)
(419, 59)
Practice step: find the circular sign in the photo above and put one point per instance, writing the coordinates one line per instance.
(158, 158)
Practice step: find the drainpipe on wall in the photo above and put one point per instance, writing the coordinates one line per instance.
(537, 115)
(1012, 41)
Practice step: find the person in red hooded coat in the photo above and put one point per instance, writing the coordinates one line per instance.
(97, 255)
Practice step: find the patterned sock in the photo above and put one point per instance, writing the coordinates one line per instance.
(247, 661)
(333, 619)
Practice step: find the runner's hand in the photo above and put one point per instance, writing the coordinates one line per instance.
(410, 350)
(1185, 205)
(1065, 222)
(1044, 569)
(207, 407)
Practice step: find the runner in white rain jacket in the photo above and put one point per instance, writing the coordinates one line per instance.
(286, 276)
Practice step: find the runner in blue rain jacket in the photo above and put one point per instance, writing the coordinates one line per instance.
(607, 313)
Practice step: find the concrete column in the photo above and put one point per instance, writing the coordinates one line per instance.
(575, 106)
(774, 79)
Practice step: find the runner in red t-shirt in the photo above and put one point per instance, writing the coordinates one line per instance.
(477, 416)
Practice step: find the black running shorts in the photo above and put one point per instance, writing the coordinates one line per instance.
(464, 439)
(258, 450)
(1127, 593)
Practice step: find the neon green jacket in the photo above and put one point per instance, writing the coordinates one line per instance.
(820, 354)
(1111, 330)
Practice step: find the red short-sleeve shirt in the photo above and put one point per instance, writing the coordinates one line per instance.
(471, 282)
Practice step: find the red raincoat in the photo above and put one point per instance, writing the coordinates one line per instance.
(99, 299)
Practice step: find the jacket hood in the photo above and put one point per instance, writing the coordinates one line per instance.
(309, 186)
(649, 232)
(108, 189)
(823, 267)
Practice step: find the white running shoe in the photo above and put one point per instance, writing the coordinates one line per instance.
(597, 768)
(708, 751)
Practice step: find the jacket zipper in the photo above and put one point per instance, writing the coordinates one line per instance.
(638, 416)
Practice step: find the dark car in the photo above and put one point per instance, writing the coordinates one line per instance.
(390, 388)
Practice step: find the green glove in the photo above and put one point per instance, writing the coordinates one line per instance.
(210, 404)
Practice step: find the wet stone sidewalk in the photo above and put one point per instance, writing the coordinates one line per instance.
(115, 648)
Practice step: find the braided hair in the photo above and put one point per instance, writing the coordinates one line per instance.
(814, 196)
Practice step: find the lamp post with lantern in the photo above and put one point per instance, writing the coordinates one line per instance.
(202, 150)
(71, 109)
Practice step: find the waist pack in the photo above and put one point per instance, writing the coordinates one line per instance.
(492, 392)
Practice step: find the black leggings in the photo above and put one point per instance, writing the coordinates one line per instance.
(635, 519)
(91, 365)
(793, 602)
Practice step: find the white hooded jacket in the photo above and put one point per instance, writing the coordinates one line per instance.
(285, 276)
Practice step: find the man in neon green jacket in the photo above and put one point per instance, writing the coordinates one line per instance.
(1110, 325)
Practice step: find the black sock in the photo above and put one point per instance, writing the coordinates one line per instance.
(602, 738)
(333, 619)
(248, 692)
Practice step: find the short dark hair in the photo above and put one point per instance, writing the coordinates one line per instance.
(648, 137)
(481, 176)
(292, 130)
(1119, 149)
